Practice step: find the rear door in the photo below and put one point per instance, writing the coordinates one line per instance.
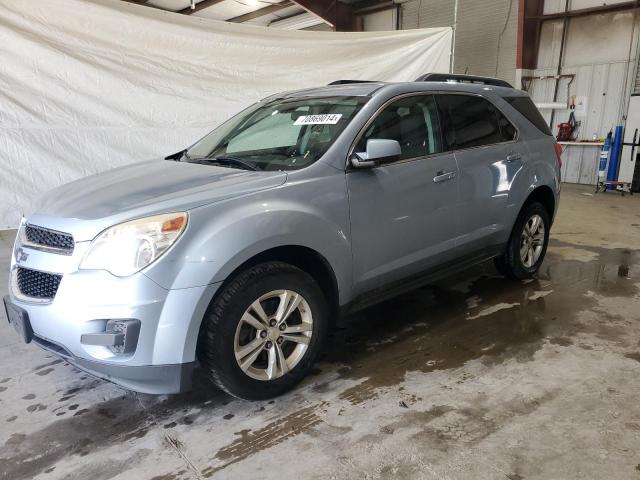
(403, 213)
(489, 155)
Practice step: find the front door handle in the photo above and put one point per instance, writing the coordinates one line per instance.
(443, 176)
(513, 156)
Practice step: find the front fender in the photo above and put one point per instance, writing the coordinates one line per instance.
(222, 237)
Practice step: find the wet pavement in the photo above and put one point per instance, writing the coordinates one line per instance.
(472, 377)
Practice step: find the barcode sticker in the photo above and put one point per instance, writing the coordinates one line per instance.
(326, 119)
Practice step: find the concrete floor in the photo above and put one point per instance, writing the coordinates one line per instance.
(475, 377)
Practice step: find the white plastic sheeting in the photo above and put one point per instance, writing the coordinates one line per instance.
(87, 86)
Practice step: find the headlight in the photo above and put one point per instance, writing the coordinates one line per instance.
(127, 248)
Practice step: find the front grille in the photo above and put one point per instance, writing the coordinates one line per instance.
(35, 284)
(49, 238)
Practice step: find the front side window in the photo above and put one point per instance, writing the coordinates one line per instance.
(285, 134)
(412, 121)
(470, 121)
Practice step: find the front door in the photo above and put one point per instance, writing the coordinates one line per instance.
(403, 214)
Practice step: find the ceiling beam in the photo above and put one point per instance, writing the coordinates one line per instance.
(143, 2)
(339, 15)
(372, 6)
(199, 6)
(260, 12)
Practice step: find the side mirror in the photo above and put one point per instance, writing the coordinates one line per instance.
(379, 150)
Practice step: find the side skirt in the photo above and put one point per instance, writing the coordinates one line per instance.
(394, 289)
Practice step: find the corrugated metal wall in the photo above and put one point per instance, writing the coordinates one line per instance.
(380, 21)
(636, 83)
(597, 52)
(485, 36)
(427, 13)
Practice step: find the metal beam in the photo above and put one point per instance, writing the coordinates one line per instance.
(261, 12)
(531, 17)
(583, 12)
(373, 6)
(528, 40)
(339, 15)
(199, 6)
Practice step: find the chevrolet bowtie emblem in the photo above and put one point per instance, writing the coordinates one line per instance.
(21, 255)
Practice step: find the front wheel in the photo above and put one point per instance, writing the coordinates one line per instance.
(528, 243)
(263, 332)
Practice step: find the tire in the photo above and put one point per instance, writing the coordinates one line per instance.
(512, 264)
(226, 335)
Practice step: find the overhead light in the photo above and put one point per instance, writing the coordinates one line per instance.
(297, 22)
(193, 5)
(252, 3)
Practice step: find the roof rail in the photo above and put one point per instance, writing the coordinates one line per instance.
(346, 82)
(455, 78)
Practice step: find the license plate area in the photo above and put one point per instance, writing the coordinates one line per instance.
(19, 318)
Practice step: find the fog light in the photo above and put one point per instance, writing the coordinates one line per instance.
(131, 331)
(120, 336)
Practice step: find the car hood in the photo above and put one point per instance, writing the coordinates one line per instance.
(87, 206)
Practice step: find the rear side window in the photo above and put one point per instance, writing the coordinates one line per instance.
(526, 107)
(470, 121)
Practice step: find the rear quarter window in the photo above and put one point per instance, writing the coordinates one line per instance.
(526, 107)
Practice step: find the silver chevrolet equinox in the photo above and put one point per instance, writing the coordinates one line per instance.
(240, 252)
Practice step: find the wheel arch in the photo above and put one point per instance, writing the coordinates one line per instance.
(306, 259)
(543, 194)
(540, 193)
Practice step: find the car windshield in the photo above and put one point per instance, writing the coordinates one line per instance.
(284, 134)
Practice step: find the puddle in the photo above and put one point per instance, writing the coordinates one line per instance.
(490, 318)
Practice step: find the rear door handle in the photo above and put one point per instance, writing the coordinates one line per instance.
(443, 176)
(513, 156)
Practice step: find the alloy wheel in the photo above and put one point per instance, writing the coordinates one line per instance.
(532, 241)
(273, 335)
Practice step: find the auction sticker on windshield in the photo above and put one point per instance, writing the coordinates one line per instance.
(325, 119)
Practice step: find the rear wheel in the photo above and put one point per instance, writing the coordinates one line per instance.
(263, 332)
(528, 243)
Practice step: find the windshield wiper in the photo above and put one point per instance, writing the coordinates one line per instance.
(227, 160)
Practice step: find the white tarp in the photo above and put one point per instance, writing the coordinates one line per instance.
(90, 85)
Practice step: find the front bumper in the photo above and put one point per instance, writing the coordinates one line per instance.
(86, 300)
(151, 379)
